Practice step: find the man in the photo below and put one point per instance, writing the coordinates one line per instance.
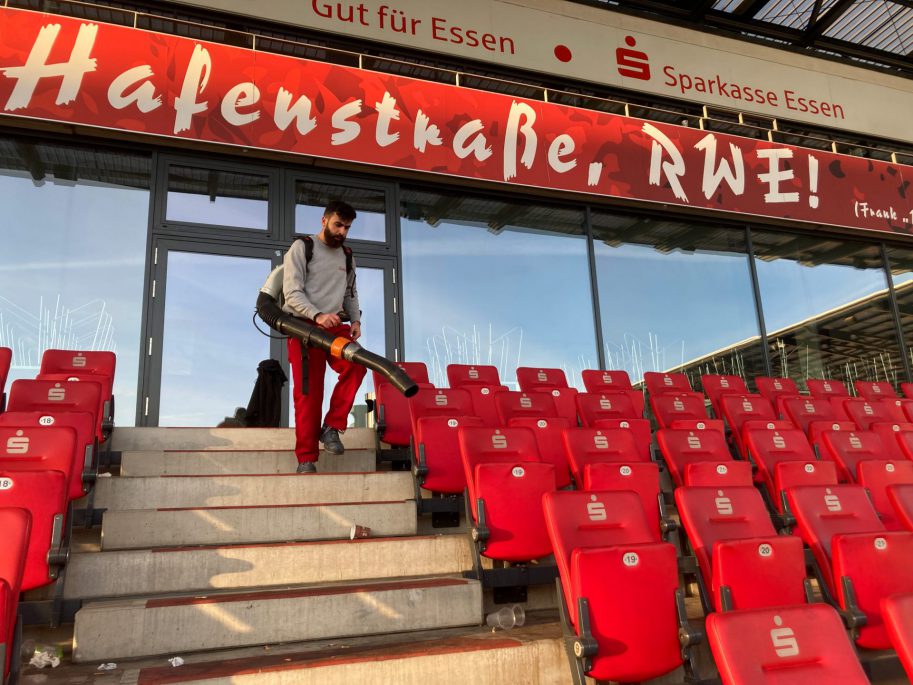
(319, 286)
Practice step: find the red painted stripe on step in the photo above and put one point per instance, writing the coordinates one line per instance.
(164, 675)
(310, 592)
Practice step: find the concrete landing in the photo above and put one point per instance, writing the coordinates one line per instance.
(237, 462)
(168, 492)
(144, 528)
(201, 569)
(107, 631)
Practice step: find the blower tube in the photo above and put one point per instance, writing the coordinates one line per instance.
(269, 310)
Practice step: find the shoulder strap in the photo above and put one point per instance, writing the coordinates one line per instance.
(348, 252)
(308, 247)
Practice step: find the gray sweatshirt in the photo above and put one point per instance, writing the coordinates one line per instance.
(321, 286)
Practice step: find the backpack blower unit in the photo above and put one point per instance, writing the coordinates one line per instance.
(270, 310)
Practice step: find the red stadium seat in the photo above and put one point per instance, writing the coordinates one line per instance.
(16, 525)
(718, 474)
(599, 540)
(866, 412)
(44, 495)
(889, 433)
(874, 390)
(876, 477)
(53, 396)
(531, 378)
(901, 498)
(717, 385)
(643, 436)
(506, 480)
(605, 381)
(819, 427)
(907, 390)
(438, 402)
(462, 375)
(565, 400)
(39, 448)
(417, 371)
(768, 448)
(637, 477)
(820, 387)
(662, 383)
(513, 405)
(392, 418)
(739, 409)
(483, 402)
(849, 448)
(595, 445)
(59, 365)
(592, 407)
(783, 646)
(438, 464)
(897, 612)
(804, 412)
(682, 447)
(774, 388)
(738, 550)
(6, 360)
(549, 433)
(671, 407)
(700, 425)
(790, 474)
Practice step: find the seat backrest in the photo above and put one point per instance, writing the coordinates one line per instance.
(44, 495)
(907, 390)
(680, 447)
(660, 383)
(889, 433)
(439, 402)
(584, 446)
(807, 642)
(642, 478)
(605, 381)
(766, 571)
(825, 387)
(718, 474)
(16, 525)
(6, 361)
(790, 474)
(393, 419)
(417, 371)
(848, 448)
(483, 402)
(592, 407)
(716, 385)
(818, 427)
(823, 511)
(879, 566)
(516, 404)
(565, 401)
(549, 434)
(40, 448)
(461, 375)
(901, 498)
(81, 365)
(803, 411)
(876, 477)
(640, 429)
(52, 396)
(897, 613)
(670, 407)
(874, 390)
(437, 440)
(710, 515)
(768, 448)
(484, 445)
(866, 412)
(773, 387)
(532, 378)
(737, 409)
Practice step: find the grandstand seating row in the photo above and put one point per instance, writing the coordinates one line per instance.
(50, 431)
(620, 577)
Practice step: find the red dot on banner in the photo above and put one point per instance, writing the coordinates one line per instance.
(563, 53)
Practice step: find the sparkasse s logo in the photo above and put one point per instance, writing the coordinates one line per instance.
(633, 63)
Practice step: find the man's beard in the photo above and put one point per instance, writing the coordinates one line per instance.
(335, 241)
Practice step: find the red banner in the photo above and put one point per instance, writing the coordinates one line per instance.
(69, 70)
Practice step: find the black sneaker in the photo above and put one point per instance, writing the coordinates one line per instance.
(331, 442)
(307, 467)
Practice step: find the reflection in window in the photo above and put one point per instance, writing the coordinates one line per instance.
(826, 309)
(675, 297)
(217, 198)
(312, 198)
(901, 262)
(492, 282)
(72, 263)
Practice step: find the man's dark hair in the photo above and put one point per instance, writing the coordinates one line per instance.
(343, 210)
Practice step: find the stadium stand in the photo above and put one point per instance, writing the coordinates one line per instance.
(717, 385)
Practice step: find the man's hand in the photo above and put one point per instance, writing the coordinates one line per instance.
(356, 330)
(327, 320)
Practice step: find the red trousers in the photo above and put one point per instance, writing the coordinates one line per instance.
(309, 407)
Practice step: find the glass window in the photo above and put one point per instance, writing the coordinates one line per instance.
(217, 198)
(675, 297)
(901, 261)
(312, 198)
(826, 308)
(72, 263)
(492, 282)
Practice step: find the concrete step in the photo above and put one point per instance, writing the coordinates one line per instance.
(141, 573)
(531, 655)
(144, 528)
(151, 439)
(108, 631)
(168, 492)
(237, 462)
